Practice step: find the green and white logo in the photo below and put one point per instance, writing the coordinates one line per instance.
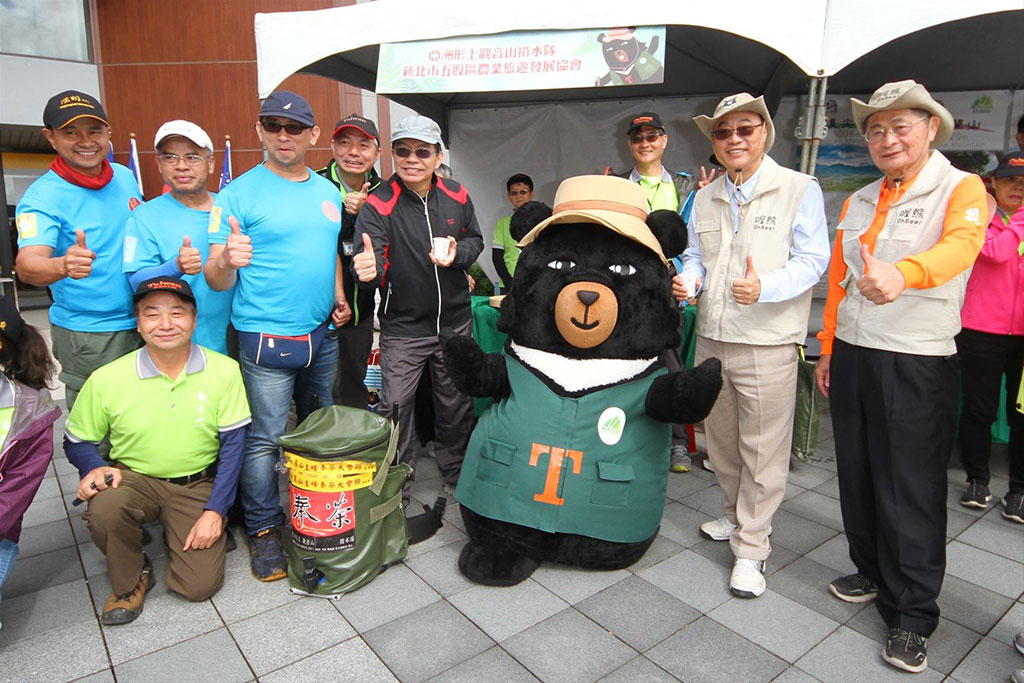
(611, 425)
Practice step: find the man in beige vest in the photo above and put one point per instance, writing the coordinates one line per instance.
(757, 244)
(900, 265)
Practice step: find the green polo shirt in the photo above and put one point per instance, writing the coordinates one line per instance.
(661, 192)
(503, 240)
(158, 426)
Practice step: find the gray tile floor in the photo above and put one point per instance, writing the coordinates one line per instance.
(670, 617)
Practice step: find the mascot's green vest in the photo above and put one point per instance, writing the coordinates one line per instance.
(596, 465)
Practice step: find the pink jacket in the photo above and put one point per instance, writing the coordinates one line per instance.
(995, 293)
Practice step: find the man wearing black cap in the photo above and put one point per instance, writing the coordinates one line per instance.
(176, 415)
(274, 231)
(356, 147)
(70, 234)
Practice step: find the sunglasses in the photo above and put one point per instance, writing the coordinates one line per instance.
(290, 128)
(649, 138)
(420, 152)
(742, 131)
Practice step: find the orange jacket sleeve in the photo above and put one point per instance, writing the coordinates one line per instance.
(836, 273)
(963, 236)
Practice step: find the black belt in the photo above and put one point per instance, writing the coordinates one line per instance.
(208, 473)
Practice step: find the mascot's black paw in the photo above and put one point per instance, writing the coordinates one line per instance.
(474, 372)
(493, 566)
(686, 396)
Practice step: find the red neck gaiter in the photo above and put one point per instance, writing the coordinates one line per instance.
(61, 168)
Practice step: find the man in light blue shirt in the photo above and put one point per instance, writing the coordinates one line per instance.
(758, 242)
(167, 236)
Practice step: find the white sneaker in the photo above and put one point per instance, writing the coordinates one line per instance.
(747, 580)
(717, 530)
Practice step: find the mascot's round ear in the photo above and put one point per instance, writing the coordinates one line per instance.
(670, 230)
(526, 217)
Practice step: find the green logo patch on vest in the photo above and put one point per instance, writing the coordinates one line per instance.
(611, 425)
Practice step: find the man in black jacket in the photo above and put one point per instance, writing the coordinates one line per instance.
(356, 147)
(415, 238)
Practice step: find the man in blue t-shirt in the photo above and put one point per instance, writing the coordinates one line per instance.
(274, 230)
(70, 231)
(167, 236)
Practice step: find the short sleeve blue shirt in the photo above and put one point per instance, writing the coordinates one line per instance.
(50, 212)
(288, 287)
(153, 236)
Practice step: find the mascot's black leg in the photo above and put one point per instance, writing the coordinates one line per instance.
(493, 556)
(593, 553)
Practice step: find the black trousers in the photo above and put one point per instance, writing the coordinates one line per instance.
(984, 360)
(893, 415)
(354, 342)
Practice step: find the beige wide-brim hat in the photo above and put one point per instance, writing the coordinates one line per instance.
(738, 102)
(903, 95)
(615, 203)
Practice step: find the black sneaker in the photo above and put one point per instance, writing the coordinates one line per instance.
(976, 496)
(855, 588)
(1013, 507)
(906, 650)
(267, 556)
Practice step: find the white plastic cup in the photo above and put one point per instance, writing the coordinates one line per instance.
(440, 248)
(690, 283)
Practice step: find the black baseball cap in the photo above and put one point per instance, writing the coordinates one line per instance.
(65, 107)
(288, 105)
(12, 325)
(1010, 165)
(363, 125)
(173, 285)
(645, 118)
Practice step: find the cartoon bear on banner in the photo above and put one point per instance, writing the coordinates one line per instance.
(629, 61)
(570, 464)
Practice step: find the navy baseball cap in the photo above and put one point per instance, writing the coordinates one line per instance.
(71, 105)
(288, 105)
(1010, 165)
(165, 283)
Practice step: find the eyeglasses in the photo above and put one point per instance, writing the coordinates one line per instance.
(649, 138)
(420, 152)
(290, 128)
(742, 131)
(174, 159)
(900, 129)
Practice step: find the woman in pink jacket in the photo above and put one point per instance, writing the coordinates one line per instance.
(991, 344)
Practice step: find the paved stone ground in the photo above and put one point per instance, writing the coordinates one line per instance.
(670, 617)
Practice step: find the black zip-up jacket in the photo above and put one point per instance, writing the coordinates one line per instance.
(419, 299)
(361, 303)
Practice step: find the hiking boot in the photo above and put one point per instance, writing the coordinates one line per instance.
(976, 496)
(906, 650)
(747, 580)
(855, 588)
(1013, 507)
(267, 556)
(717, 530)
(123, 609)
(679, 460)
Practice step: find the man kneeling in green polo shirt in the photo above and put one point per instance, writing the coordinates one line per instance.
(176, 414)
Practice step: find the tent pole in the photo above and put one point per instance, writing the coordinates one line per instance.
(820, 128)
(804, 126)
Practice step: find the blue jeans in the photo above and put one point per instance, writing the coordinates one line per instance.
(8, 552)
(270, 394)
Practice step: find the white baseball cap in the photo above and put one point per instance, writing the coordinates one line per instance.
(185, 129)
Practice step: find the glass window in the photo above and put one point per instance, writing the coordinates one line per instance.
(44, 28)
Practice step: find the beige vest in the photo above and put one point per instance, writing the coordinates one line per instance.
(919, 321)
(766, 233)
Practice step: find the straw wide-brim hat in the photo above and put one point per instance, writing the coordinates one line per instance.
(615, 203)
(903, 95)
(738, 102)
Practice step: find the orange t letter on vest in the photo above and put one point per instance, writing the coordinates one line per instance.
(555, 458)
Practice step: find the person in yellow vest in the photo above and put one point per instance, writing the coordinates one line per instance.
(900, 264)
(758, 242)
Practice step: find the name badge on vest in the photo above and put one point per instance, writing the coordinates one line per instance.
(764, 222)
(910, 217)
(346, 248)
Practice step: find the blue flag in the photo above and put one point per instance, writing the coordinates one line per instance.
(133, 165)
(225, 172)
(110, 153)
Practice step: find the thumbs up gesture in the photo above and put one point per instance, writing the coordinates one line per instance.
(78, 258)
(881, 282)
(365, 262)
(354, 200)
(747, 289)
(190, 261)
(238, 248)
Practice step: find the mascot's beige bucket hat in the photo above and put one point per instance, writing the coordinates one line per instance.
(903, 95)
(738, 102)
(615, 203)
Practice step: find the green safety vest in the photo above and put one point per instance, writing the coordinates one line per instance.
(596, 465)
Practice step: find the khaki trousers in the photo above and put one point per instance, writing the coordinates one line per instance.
(749, 433)
(115, 518)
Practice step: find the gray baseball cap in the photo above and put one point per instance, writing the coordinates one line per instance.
(417, 128)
